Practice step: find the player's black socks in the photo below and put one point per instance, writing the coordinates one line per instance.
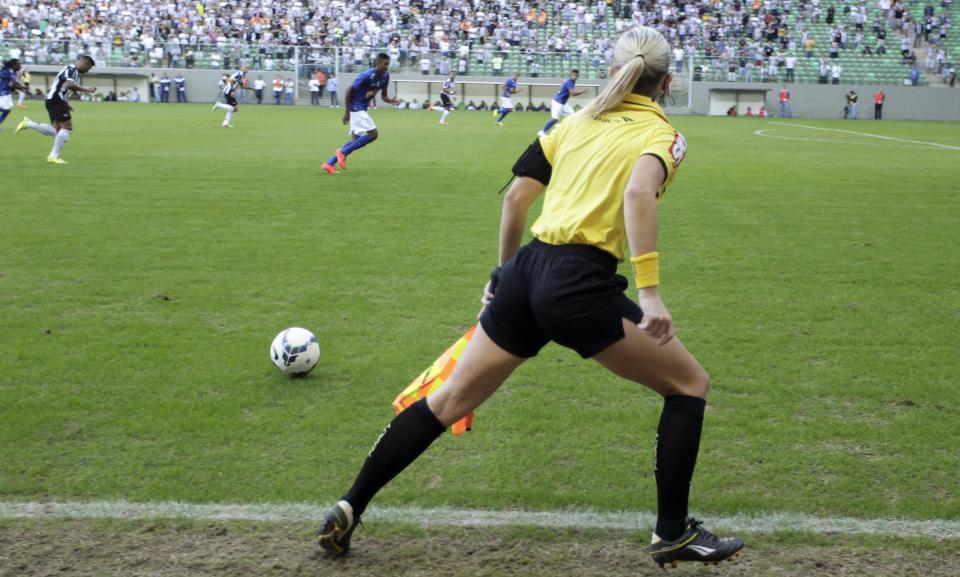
(678, 442)
(406, 437)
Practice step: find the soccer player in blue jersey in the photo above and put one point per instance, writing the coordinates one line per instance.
(362, 129)
(8, 85)
(558, 106)
(506, 102)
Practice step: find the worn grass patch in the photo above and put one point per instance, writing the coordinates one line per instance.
(173, 548)
(142, 284)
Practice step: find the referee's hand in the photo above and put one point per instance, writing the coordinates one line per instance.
(657, 321)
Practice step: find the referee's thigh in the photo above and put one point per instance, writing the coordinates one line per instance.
(481, 369)
(668, 369)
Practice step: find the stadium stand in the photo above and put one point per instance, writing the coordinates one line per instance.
(741, 40)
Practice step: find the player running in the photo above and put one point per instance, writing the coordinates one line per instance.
(236, 81)
(447, 94)
(8, 85)
(362, 129)
(24, 79)
(61, 123)
(558, 106)
(506, 102)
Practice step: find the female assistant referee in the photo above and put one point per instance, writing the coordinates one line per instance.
(607, 167)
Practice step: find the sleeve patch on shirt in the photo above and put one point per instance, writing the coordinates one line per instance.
(678, 150)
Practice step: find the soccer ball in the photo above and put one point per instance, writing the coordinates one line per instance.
(295, 351)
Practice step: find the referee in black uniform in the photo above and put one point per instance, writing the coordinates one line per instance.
(608, 166)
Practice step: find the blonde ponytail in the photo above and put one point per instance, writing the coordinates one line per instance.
(642, 58)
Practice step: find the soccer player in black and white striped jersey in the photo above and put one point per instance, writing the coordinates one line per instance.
(61, 123)
(447, 94)
(236, 81)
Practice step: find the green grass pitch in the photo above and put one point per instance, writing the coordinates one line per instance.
(812, 272)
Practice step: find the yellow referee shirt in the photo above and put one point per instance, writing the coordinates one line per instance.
(592, 161)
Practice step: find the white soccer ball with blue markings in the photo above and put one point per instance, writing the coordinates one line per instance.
(295, 351)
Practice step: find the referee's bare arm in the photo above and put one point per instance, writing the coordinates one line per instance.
(71, 85)
(387, 99)
(640, 219)
(513, 215)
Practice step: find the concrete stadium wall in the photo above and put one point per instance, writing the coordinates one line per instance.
(807, 100)
(487, 89)
(827, 101)
(202, 85)
(121, 80)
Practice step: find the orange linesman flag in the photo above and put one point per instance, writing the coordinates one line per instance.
(433, 377)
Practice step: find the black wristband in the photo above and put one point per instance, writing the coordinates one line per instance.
(494, 279)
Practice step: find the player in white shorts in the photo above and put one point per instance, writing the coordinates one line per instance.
(8, 85)
(361, 123)
(558, 106)
(362, 129)
(506, 103)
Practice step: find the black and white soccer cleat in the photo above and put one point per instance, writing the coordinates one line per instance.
(696, 545)
(338, 526)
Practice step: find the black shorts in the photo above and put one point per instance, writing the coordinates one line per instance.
(447, 103)
(570, 294)
(230, 99)
(58, 109)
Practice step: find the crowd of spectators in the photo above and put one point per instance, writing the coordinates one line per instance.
(743, 39)
(765, 39)
(264, 33)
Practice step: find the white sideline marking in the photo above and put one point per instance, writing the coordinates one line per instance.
(765, 132)
(641, 521)
(867, 134)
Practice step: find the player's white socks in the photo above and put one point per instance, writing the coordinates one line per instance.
(228, 117)
(20, 99)
(42, 128)
(63, 135)
(443, 118)
(223, 106)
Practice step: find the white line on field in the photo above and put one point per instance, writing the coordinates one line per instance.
(869, 135)
(304, 512)
(765, 132)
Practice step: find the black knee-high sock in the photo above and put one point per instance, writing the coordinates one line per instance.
(406, 437)
(678, 442)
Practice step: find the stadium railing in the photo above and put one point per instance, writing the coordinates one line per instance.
(286, 58)
(857, 68)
